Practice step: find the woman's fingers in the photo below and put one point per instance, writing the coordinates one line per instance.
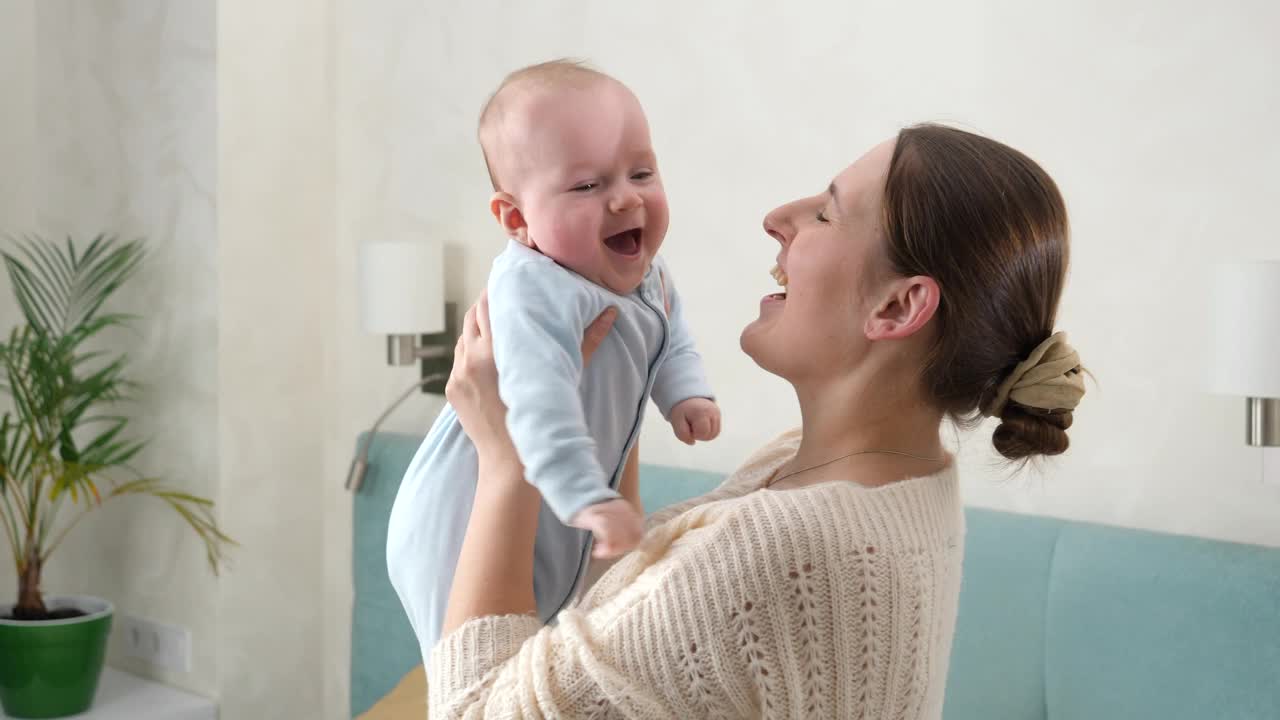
(459, 377)
(472, 388)
(469, 328)
(596, 332)
(482, 314)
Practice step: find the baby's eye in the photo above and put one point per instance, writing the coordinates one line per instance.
(584, 187)
(642, 175)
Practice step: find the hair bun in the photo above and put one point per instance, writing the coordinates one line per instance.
(1024, 434)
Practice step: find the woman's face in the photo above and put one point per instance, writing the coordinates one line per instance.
(831, 250)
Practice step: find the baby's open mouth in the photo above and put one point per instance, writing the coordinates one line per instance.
(626, 242)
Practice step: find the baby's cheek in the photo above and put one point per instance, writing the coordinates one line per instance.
(656, 217)
(575, 242)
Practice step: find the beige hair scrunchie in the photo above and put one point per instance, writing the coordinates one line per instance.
(1049, 379)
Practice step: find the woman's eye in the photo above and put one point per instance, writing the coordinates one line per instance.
(821, 217)
(584, 187)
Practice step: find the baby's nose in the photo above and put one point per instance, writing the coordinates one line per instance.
(624, 201)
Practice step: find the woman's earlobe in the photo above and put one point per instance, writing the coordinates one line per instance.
(883, 324)
(876, 328)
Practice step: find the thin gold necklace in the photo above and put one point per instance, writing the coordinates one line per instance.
(776, 480)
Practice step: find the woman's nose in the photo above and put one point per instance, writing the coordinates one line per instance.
(779, 226)
(624, 200)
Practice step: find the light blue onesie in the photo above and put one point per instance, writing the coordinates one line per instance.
(572, 428)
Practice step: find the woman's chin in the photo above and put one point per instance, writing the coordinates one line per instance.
(751, 340)
(755, 344)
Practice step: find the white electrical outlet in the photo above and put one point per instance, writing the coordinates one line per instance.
(162, 645)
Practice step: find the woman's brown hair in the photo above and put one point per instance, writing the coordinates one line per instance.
(989, 225)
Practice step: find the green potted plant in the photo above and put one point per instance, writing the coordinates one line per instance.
(64, 452)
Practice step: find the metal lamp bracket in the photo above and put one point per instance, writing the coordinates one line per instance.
(434, 351)
(1263, 422)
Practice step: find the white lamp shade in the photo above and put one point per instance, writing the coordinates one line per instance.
(402, 287)
(1245, 354)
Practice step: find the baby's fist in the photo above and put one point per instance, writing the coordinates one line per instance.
(615, 524)
(695, 419)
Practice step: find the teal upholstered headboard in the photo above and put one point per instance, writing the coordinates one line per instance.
(1057, 619)
(383, 648)
(1073, 620)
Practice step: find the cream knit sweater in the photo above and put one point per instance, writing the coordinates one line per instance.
(829, 601)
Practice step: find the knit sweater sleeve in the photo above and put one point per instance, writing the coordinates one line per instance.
(693, 646)
(727, 630)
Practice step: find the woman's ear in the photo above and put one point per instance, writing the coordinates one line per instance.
(909, 305)
(503, 207)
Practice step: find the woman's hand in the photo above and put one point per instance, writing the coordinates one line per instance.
(495, 563)
(472, 389)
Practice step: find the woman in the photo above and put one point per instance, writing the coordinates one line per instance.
(821, 579)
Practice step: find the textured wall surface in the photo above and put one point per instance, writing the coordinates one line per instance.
(123, 116)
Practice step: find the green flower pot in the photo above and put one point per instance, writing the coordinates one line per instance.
(50, 668)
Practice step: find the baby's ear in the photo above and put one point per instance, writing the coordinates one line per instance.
(503, 207)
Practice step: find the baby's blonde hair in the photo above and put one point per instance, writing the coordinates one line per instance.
(550, 75)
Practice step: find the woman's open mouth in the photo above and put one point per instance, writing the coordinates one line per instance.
(625, 243)
(780, 277)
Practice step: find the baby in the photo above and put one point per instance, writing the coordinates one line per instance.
(577, 191)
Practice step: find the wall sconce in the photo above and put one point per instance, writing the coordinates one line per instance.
(1246, 344)
(402, 297)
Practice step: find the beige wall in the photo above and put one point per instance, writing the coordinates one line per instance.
(17, 135)
(123, 121)
(402, 174)
(277, 268)
(115, 135)
(17, 144)
(1148, 115)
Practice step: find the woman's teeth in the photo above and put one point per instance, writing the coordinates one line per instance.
(779, 275)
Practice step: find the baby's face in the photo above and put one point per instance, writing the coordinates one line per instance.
(587, 183)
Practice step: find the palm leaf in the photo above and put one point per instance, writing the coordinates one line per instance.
(102, 387)
(53, 267)
(60, 289)
(197, 511)
(59, 442)
(36, 305)
(15, 443)
(5, 428)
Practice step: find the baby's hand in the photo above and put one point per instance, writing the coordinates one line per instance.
(695, 419)
(616, 526)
